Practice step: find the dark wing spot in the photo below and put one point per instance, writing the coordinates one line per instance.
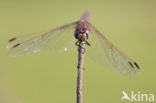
(16, 45)
(12, 39)
(136, 65)
(131, 64)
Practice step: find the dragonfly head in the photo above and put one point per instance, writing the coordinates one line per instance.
(82, 37)
(82, 34)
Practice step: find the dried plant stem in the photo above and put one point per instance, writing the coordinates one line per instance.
(81, 52)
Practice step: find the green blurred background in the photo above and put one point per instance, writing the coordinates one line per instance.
(48, 77)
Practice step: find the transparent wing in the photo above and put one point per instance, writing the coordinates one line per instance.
(104, 53)
(59, 39)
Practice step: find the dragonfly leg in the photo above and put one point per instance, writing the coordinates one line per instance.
(88, 43)
(77, 43)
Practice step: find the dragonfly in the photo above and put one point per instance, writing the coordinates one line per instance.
(98, 48)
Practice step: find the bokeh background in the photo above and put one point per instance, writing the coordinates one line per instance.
(48, 77)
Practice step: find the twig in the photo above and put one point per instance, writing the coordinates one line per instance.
(81, 51)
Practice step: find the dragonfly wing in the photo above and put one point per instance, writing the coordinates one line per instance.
(105, 53)
(55, 39)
